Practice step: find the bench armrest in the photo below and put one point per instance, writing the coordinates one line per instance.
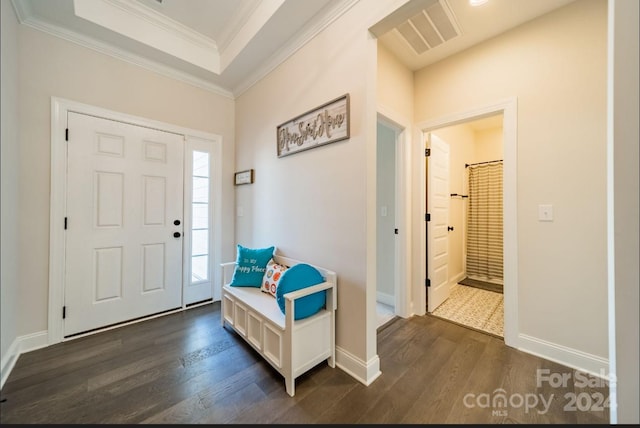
(290, 300)
(293, 295)
(227, 272)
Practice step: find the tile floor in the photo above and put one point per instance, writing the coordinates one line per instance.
(475, 308)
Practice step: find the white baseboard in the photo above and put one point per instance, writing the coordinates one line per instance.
(363, 372)
(456, 279)
(8, 361)
(387, 299)
(20, 345)
(583, 361)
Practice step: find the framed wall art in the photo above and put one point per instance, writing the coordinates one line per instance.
(244, 177)
(325, 124)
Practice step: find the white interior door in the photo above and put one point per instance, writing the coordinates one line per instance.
(438, 198)
(124, 205)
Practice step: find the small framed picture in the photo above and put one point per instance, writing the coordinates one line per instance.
(244, 177)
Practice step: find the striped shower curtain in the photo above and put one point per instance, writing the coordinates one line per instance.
(484, 223)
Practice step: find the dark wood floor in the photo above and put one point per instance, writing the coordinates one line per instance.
(186, 369)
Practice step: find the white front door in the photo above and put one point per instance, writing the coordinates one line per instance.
(438, 197)
(124, 222)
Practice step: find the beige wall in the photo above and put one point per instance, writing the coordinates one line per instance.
(488, 145)
(314, 205)
(556, 67)
(10, 158)
(52, 67)
(394, 93)
(394, 88)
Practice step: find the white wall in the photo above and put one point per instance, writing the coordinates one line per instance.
(49, 66)
(556, 67)
(10, 158)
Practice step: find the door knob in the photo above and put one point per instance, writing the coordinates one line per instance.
(176, 234)
(449, 228)
(176, 222)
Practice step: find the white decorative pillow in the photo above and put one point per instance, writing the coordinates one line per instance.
(271, 277)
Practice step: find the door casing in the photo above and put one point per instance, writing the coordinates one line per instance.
(509, 109)
(59, 109)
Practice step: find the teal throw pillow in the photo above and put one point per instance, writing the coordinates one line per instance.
(251, 264)
(296, 277)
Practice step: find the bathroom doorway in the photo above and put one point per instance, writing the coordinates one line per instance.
(474, 226)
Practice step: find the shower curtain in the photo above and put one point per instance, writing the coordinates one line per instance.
(484, 222)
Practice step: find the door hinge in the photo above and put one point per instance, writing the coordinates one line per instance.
(427, 152)
(64, 312)
(65, 223)
(427, 282)
(427, 217)
(66, 134)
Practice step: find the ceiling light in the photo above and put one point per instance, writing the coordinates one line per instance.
(477, 2)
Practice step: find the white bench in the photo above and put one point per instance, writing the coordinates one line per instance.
(291, 346)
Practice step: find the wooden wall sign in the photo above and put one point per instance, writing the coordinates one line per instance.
(323, 125)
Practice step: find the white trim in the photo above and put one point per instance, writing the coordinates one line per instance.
(297, 42)
(583, 361)
(386, 298)
(456, 279)
(403, 306)
(364, 372)
(611, 245)
(59, 109)
(9, 361)
(144, 25)
(21, 345)
(214, 149)
(509, 109)
(26, 17)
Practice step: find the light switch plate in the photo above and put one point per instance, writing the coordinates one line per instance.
(545, 212)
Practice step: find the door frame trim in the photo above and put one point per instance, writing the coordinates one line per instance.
(402, 259)
(60, 107)
(509, 109)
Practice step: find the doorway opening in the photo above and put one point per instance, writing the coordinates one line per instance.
(507, 109)
(468, 258)
(386, 223)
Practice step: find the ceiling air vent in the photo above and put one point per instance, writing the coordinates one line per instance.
(430, 27)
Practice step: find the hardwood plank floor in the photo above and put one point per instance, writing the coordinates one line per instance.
(185, 368)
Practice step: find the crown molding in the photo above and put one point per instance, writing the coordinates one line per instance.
(235, 25)
(163, 22)
(27, 19)
(143, 24)
(297, 42)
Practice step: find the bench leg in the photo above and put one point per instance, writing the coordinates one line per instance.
(290, 384)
